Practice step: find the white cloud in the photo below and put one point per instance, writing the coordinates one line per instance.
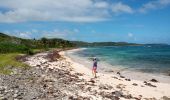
(55, 33)
(130, 35)
(156, 4)
(101, 5)
(121, 8)
(54, 10)
(25, 35)
(60, 10)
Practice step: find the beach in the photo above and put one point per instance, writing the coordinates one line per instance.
(137, 88)
(55, 76)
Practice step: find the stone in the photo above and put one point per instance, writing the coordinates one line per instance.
(3, 98)
(122, 76)
(135, 84)
(129, 96)
(149, 84)
(118, 93)
(92, 81)
(115, 77)
(153, 80)
(15, 95)
(127, 79)
(106, 87)
(118, 73)
(165, 98)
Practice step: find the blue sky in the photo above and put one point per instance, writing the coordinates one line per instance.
(137, 21)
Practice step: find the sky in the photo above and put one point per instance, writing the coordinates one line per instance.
(135, 21)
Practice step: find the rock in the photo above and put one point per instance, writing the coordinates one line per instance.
(129, 96)
(79, 74)
(3, 98)
(127, 79)
(149, 84)
(106, 87)
(165, 98)
(92, 81)
(118, 93)
(115, 77)
(122, 76)
(135, 84)
(15, 95)
(108, 95)
(71, 98)
(2, 89)
(144, 82)
(153, 80)
(120, 86)
(88, 89)
(118, 73)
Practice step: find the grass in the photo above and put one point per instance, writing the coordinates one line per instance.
(7, 60)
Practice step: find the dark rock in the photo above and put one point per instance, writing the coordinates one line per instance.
(108, 95)
(70, 97)
(135, 84)
(115, 77)
(149, 84)
(127, 79)
(153, 80)
(3, 98)
(122, 76)
(118, 73)
(92, 81)
(88, 89)
(79, 74)
(118, 93)
(129, 96)
(106, 87)
(165, 98)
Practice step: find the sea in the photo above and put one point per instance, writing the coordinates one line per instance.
(146, 58)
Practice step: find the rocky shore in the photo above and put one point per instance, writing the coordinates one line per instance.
(52, 77)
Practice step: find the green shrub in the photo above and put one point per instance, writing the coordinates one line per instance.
(7, 47)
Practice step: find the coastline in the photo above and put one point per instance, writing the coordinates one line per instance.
(55, 76)
(138, 88)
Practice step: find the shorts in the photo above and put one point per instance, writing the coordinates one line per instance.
(94, 69)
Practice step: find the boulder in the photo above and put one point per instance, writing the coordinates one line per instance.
(135, 84)
(118, 93)
(153, 80)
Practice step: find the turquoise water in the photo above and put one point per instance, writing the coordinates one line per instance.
(148, 58)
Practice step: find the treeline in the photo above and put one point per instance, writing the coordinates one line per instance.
(86, 44)
(10, 44)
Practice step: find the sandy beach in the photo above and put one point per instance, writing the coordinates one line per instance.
(55, 76)
(137, 88)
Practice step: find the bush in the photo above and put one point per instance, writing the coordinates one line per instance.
(7, 47)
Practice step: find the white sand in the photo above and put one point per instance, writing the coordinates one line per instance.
(161, 89)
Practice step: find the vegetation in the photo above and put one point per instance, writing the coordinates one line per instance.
(80, 44)
(9, 60)
(10, 44)
(11, 47)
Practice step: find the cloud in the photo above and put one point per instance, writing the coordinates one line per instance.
(130, 35)
(24, 35)
(55, 33)
(152, 5)
(59, 10)
(121, 8)
(54, 10)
